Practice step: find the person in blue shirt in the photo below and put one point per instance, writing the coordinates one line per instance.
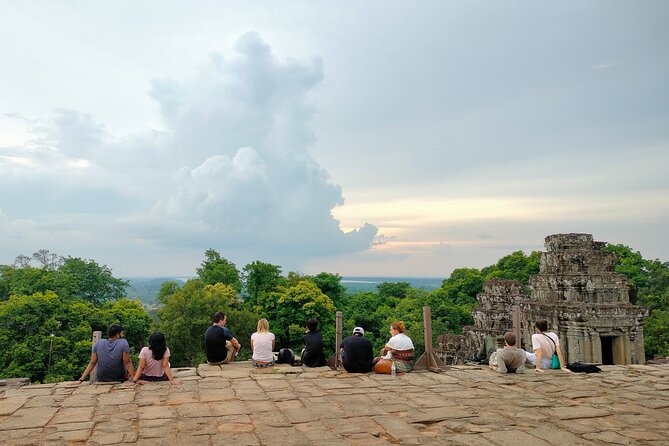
(112, 356)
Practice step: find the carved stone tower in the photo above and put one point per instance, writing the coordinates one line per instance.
(586, 302)
(580, 295)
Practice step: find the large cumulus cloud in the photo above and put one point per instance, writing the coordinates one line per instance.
(231, 169)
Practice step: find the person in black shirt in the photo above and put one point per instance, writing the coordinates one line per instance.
(357, 352)
(312, 354)
(219, 344)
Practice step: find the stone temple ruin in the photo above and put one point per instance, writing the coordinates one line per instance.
(580, 295)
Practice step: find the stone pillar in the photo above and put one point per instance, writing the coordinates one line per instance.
(97, 335)
(596, 344)
(338, 338)
(627, 347)
(516, 324)
(587, 345)
(573, 342)
(620, 346)
(638, 351)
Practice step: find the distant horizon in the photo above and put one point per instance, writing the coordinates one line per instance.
(343, 277)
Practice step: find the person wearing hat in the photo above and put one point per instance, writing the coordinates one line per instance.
(112, 356)
(357, 352)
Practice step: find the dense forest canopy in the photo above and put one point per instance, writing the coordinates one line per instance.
(45, 294)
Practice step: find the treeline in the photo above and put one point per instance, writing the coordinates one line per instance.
(45, 295)
(70, 297)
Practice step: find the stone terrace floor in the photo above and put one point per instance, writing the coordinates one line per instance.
(236, 405)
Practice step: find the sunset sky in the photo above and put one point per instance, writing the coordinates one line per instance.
(376, 138)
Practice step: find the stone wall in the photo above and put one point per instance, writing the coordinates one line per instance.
(492, 318)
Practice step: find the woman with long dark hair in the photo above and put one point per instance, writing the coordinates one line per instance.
(154, 361)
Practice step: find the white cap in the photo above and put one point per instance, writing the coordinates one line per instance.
(359, 330)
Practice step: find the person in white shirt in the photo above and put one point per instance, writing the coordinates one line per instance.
(398, 350)
(544, 344)
(262, 344)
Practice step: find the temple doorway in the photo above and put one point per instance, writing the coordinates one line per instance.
(607, 350)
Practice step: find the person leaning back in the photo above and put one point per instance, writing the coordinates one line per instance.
(509, 359)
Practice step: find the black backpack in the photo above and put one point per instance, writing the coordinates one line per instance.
(286, 356)
(583, 367)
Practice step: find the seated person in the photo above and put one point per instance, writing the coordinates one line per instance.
(545, 343)
(398, 350)
(112, 357)
(487, 348)
(262, 344)
(312, 354)
(219, 344)
(357, 352)
(508, 359)
(154, 361)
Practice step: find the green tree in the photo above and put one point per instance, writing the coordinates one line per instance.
(655, 294)
(294, 306)
(130, 314)
(515, 266)
(463, 286)
(294, 278)
(69, 278)
(330, 285)
(649, 287)
(187, 313)
(656, 334)
(26, 281)
(216, 269)
(26, 325)
(363, 310)
(260, 278)
(88, 281)
(633, 266)
(393, 290)
(167, 289)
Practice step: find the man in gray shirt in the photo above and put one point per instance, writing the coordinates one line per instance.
(508, 359)
(112, 357)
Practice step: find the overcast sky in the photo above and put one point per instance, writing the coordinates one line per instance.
(362, 138)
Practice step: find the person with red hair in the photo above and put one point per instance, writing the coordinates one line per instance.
(398, 351)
